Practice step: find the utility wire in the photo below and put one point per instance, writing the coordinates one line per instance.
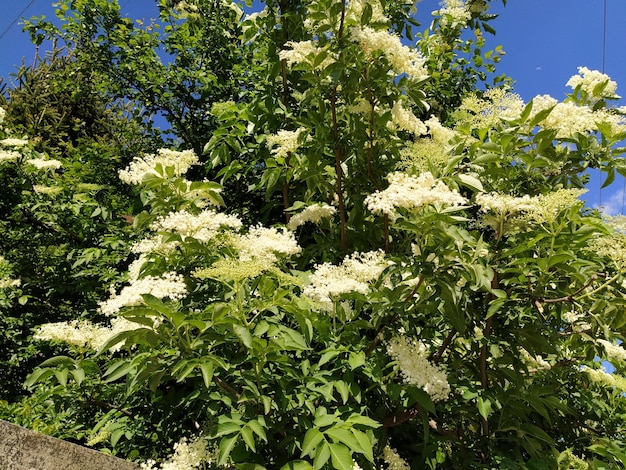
(19, 15)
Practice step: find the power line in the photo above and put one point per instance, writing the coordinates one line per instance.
(19, 15)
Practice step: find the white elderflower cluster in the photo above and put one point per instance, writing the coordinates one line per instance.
(411, 192)
(504, 204)
(11, 142)
(405, 119)
(169, 285)
(393, 459)
(304, 52)
(536, 362)
(613, 351)
(284, 142)
(567, 117)
(203, 226)
(263, 242)
(140, 167)
(412, 359)
(354, 274)
(83, 333)
(356, 7)
(3, 114)
(189, 454)
(42, 164)
(423, 155)
(313, 213)
(153, 244)
(495, 105)
(606, 379)
(47, 190)
(453, 13)
(403, 59)
(589, 80)
(438, 132)
(364, 108)
(9, 156)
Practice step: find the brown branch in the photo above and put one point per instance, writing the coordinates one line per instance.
(570, 298)
(437, 356)
(413, 412)
(104, 404)
(226, 387)
(377, 338)
(338, 160)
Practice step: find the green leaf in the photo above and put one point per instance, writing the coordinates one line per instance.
(207, 369)
(365, 442)
(297, 465)
(484, 407)
(471, 182)
(341, 457)
(321, 456)
(258, 428)
(58, 361)
(226, 446)
(227, 427)
(344, 436)
(38, 375)
(312, 438)
(248, 437)
(244, 335)
(357, 419)
(356, 360)
(117, 370)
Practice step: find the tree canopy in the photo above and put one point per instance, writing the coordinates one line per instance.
(354, 248)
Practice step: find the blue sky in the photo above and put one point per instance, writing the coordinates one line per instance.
(545, 42)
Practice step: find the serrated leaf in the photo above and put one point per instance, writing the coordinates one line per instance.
(321, 456)
(228, 427)
(471, 182)
(297, 465)
(207, 369)
(341, 457)
(257, 428)
(248, 437)
(312, 438)
(365, 442)
(243, 334)
(226, 447)
(344, 436)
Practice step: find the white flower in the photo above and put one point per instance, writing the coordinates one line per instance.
(14, 142)
(8, 156)
(393, 460)
(284, 142)
(406, 120)
(354, 274)
(140, 167)
(262, 242)
(410, 192)
(304, 52)
(203, 226)
(313, 213)
(189, 454)
(170, 285)
(403, 59)
(439, 133)
(414, 366)
(83, 333)
(453, 13)
(42, 164)
(588, 80)
(613, 351)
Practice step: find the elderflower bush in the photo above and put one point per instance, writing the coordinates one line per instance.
(454, 314)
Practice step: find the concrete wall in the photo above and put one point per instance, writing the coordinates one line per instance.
(22, 449)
